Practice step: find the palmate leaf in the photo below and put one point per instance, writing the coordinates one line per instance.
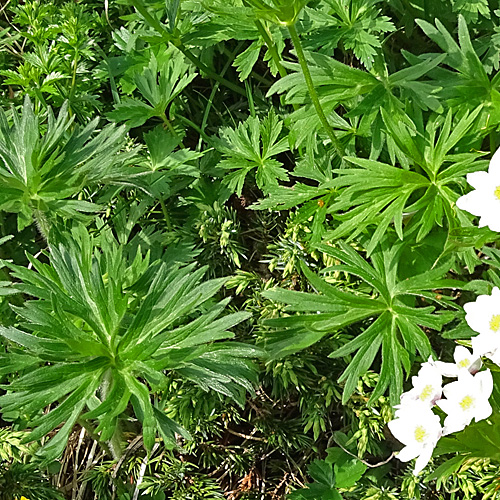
(471, 9)
(391, 308)
(467, 84)
(251, 147)
(362, 94)
(159, 84)
(167, 168)
(378, 194)
(234, 20)
(40, 171)
(101, 331)
(355, 24)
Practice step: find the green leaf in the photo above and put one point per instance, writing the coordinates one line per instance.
(98, 341)
(251, 146)
(348, 470)
(395, 328)
(44, 165)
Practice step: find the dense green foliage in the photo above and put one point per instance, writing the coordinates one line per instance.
(228, 238)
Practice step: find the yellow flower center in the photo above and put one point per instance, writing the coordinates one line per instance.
(464, 363)
(467, 403)
(495, 323)
(497, 193)
(426, 392)
(420, 434)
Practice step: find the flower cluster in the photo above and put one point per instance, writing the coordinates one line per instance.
(463, 400)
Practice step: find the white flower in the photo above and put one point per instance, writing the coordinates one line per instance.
(483, 316)
(426, 386)
(484, 201)
(419, 430)
(464, 360)
(466, 399)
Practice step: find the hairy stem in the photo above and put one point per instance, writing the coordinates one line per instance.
(339, 148)
(115, 443)
(42, 224)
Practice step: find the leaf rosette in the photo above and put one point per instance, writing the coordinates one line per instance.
(102, 330)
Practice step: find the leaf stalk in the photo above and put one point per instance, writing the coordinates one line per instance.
(339, 148)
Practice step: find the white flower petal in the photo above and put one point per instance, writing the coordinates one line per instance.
(447, 369)
(479, 180)
(491, 220)
(483, 412)
(409, 453)
(484, 201)
(423, 459)
(484, 344)
(446, 405)
(454, 423)
(485, 380)
(461, 353)
(472, 202)
(399, 429)
(494, 167)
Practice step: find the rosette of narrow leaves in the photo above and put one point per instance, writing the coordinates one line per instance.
(41, 171)
(387, 307)
(100, 333)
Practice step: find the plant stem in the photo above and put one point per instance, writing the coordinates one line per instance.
(115, 443)
(171, 129)
(165, 214)
(272, 48)
(42, 223)
(274, 55)
(339, 148)
(193, 125)
(215, 89)
(92, 433)
(154, 23)
(73, 79)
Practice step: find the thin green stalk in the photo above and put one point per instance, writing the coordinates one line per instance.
(215, 89)
(271, 47)
(154, 23)
(274, 55)
(251, 104)
(112, 82)
(171, 128)
(493, 142)
(73, 79)
(165, 214)
(193, 125)
(3, 231)
(339, 148)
